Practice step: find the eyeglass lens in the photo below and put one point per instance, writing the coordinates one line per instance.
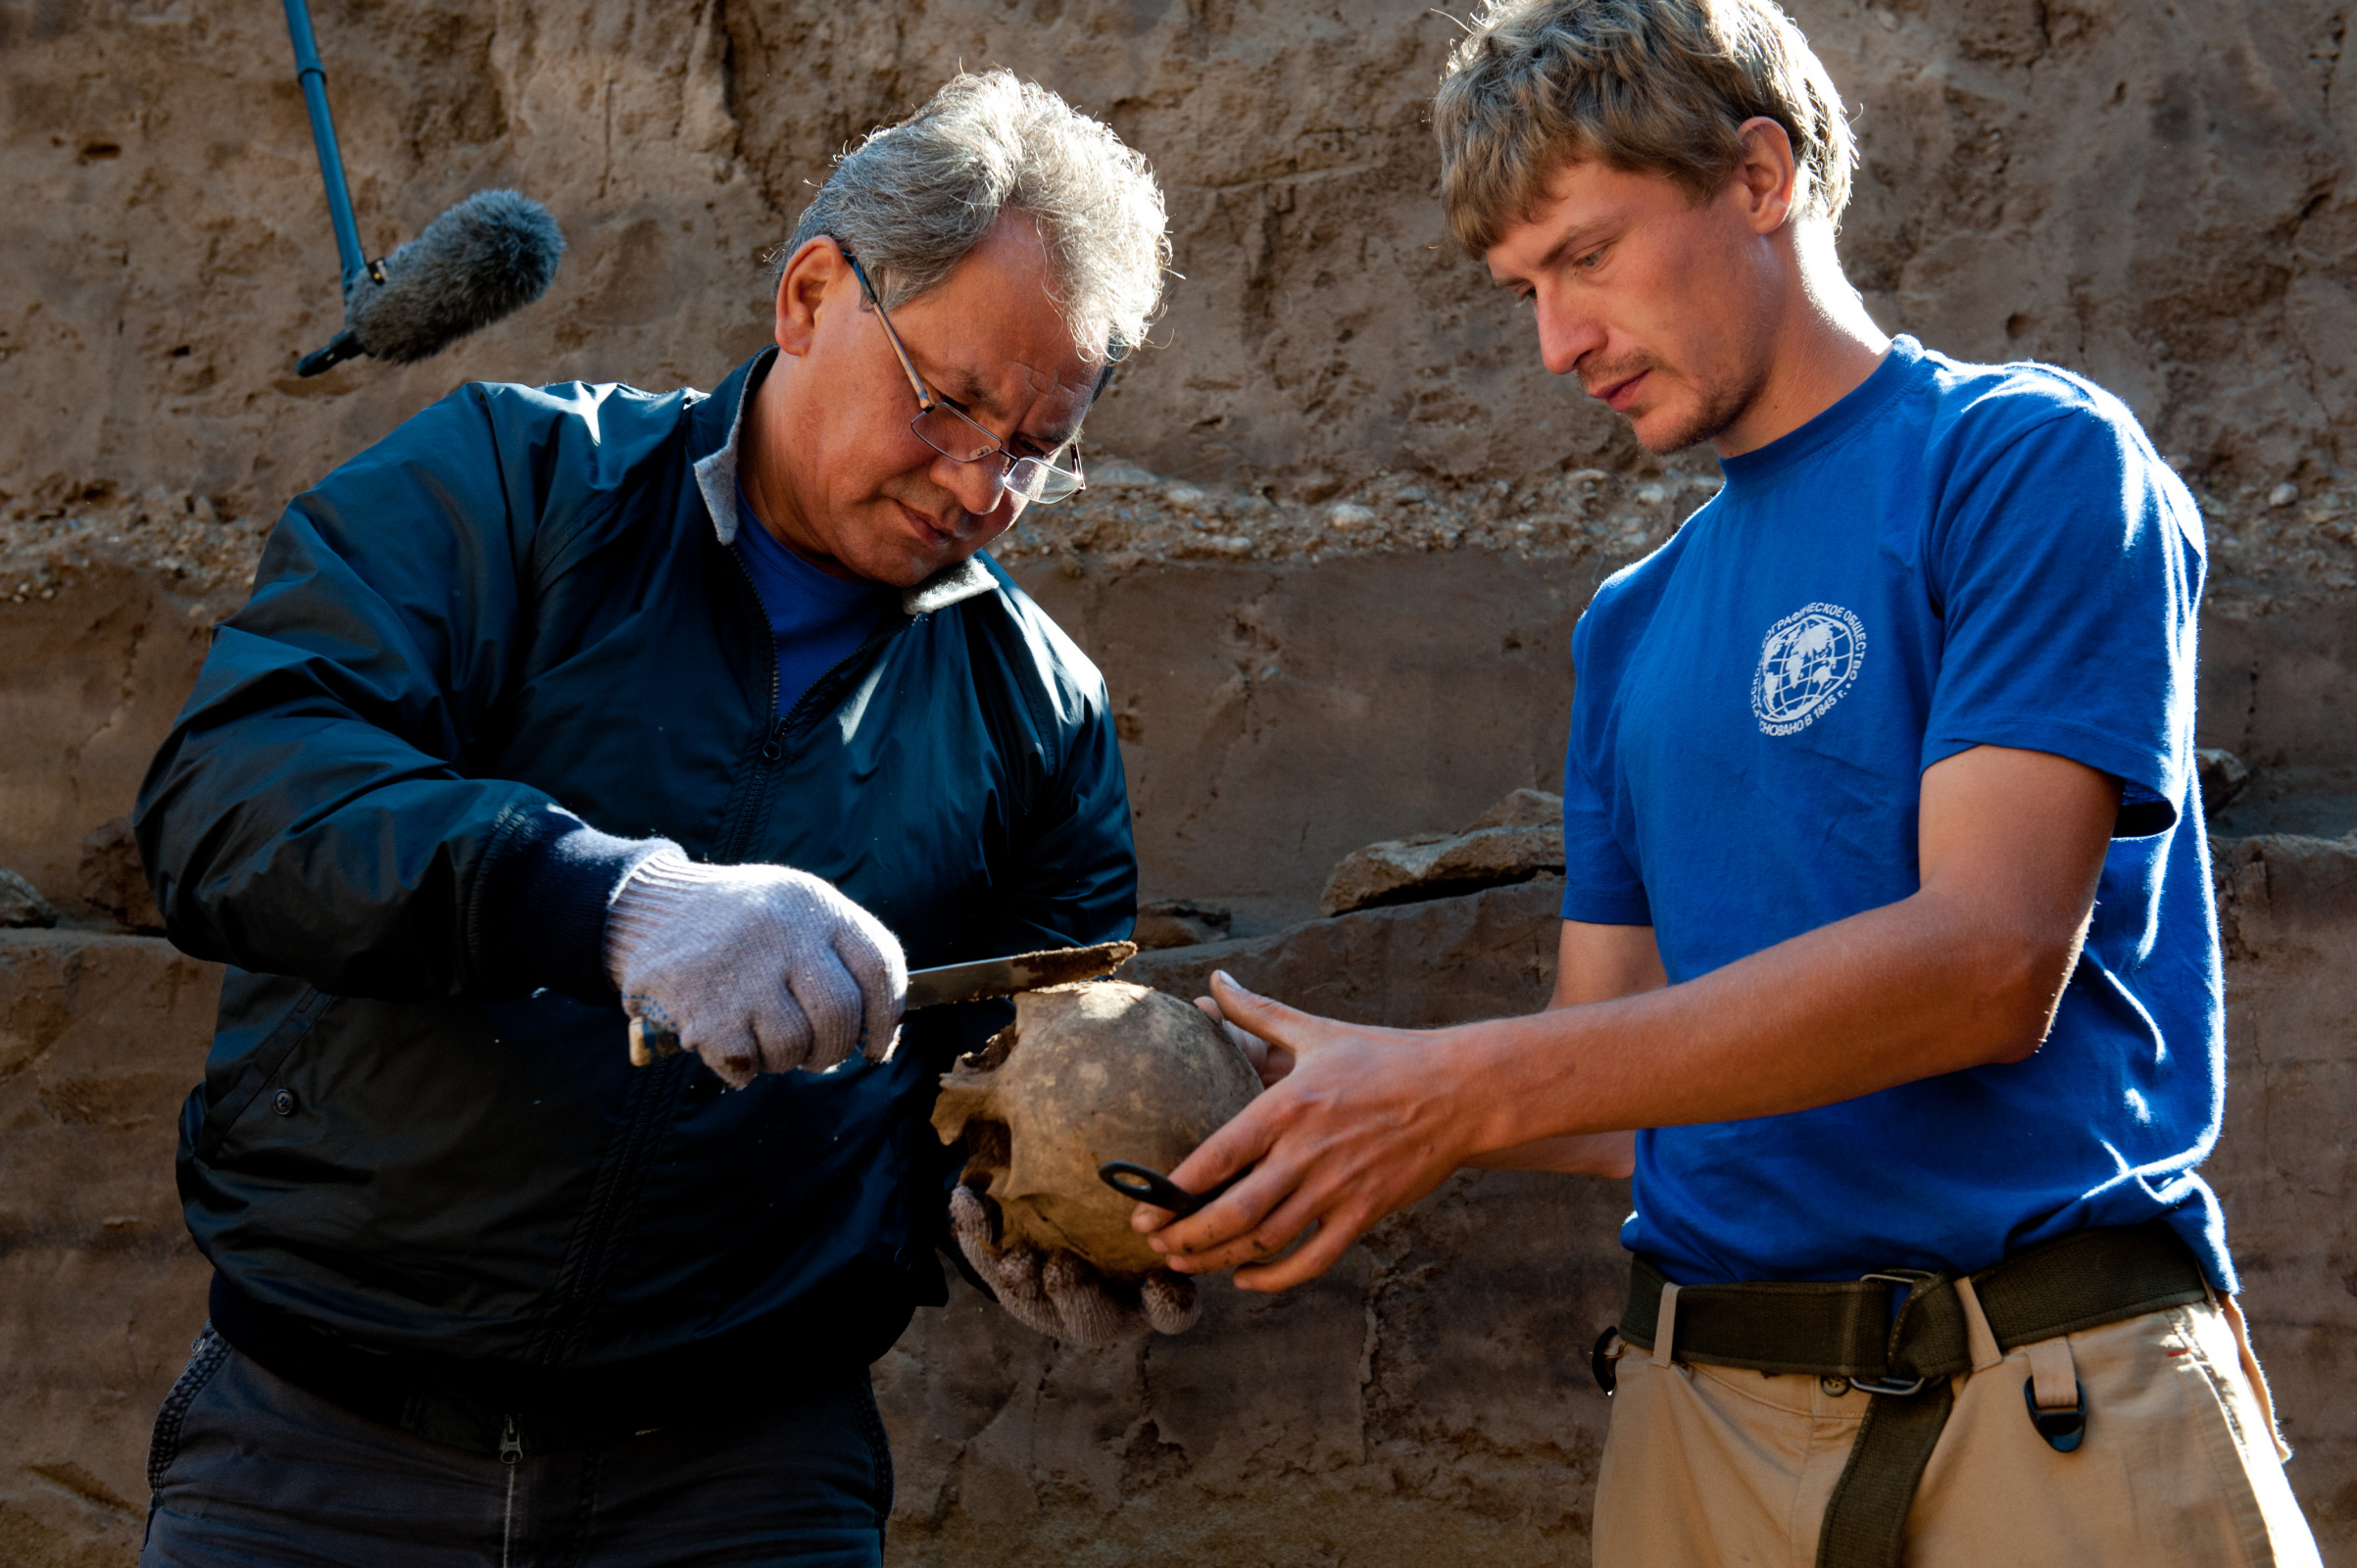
(953, 435)
(961, 439)
(956, 437)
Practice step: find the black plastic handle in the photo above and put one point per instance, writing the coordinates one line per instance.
(1150, 1186)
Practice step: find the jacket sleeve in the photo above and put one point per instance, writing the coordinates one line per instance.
(311, 812)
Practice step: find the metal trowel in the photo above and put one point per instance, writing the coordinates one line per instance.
(978, 981)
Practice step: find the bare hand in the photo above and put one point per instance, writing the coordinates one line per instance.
(1271, 1062)
(1358, 1122)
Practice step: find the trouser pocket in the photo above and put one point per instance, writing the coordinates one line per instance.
(206, 1354)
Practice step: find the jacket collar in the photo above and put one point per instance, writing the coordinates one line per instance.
(717, 480)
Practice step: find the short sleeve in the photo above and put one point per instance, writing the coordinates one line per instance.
(1599, 885)
(2068, 576)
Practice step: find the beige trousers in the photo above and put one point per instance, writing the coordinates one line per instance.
(1709, 1465)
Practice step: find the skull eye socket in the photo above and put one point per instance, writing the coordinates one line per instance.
(989, 1148)
(994, 1052)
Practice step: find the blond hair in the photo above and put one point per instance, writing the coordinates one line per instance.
(1639, 84)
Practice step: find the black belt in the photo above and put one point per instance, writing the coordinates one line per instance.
(1905, 1359)
(479, 1406)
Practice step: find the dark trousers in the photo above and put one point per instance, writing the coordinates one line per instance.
(249, 1470)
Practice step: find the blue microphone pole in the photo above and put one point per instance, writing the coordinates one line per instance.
(491, 253)
(313, 76)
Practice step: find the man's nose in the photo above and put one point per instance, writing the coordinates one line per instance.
(976, 484)
(1567, 333)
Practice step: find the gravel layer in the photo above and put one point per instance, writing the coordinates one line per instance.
(2267, 548)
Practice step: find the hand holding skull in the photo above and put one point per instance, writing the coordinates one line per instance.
(1057, 1294)
(1269, 1059)
(1086, 1074)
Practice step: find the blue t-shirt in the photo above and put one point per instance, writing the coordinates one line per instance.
(819, 620)
(1951, 555)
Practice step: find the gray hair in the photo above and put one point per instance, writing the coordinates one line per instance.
(913, 199)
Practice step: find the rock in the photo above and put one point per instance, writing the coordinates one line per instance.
(1116, 474)
(2223, 775)
(1179, 923)
(1522, 809)
(1513, 841)
(114, 879)
(1416, 965)
(22, 904)
(2284, 495)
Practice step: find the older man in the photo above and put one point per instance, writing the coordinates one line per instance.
(1887, 914)
(569, 704)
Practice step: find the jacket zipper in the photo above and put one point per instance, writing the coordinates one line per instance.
(653, 1091)
(746, 819)
(511, 1452)
(773, 740)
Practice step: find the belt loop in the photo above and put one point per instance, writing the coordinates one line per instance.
(1665, 1324)
(2055, 1373)
(2057, 1401)
(1979, 1339)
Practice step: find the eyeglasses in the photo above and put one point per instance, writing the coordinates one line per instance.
(1037, 481)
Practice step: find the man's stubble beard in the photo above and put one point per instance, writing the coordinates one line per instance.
(1722, 404)
(925, 563)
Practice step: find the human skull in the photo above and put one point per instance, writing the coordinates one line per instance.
(1088, 1073)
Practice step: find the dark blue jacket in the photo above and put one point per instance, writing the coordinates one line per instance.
(484, 661)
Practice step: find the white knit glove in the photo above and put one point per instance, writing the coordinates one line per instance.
(755, 968)
(1058, 1294)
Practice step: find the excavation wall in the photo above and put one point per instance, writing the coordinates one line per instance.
(1428, 1400)
(1340, 527)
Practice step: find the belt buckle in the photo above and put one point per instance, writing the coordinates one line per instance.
(1896, 1388)
(1890, 1386)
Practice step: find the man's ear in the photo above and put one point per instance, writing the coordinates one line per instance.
(801, 290)
(1769, 178)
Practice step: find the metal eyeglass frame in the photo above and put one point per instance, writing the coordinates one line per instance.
(1038, 481)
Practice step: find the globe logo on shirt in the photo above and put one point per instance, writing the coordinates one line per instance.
(1806, 664)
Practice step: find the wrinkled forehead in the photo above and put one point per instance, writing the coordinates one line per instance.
(1078, 379)
(1050, 401)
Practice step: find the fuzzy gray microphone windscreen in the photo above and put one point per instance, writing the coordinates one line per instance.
(489, 255)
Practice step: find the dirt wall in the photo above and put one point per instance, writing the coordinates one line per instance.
(2146, 190)
(1339, 527)
(1426, 1402)
(100, 1289)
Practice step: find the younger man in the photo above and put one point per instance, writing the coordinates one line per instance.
(1887, 910)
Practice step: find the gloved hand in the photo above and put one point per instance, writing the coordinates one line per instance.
(755, 968)
(1057, 1294)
